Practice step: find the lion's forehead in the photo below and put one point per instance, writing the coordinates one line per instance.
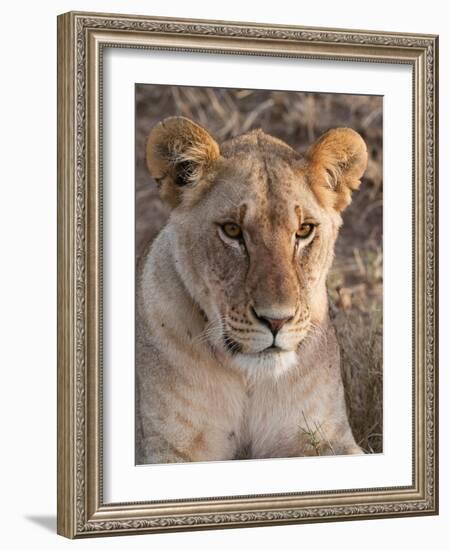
(272, 189)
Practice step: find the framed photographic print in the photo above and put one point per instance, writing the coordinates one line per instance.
(247, 290)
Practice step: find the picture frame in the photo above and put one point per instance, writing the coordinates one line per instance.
(83, 39)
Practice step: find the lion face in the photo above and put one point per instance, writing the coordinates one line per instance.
(254, 226)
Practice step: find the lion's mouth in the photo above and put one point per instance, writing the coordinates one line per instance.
(234, 347)
(272, 349)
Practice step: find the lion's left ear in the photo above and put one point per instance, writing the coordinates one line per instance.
(179, 154)
(336, 163)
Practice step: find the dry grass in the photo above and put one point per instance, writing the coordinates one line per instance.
(355, 282)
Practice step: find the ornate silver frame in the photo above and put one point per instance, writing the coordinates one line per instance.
(81, 39)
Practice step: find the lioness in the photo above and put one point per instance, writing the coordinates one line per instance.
(235, 353)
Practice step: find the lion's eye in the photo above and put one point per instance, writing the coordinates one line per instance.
(232, 230)
(304, 231)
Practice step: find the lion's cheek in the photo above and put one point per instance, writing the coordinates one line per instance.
(226, 272)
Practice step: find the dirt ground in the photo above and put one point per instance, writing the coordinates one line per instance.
(355, 282)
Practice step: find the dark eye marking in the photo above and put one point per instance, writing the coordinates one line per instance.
(232, 230)
(305, 230)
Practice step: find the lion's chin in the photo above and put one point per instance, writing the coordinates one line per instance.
(272, 362)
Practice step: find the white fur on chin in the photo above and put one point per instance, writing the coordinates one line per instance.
(256, 365)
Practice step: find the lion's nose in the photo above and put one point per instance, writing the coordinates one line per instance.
(273, 323)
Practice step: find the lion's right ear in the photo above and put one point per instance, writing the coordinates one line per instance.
(337, 162)
(179, 153)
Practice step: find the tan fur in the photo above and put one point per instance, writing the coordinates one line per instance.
(337, 162)
(208, 386)
(175, 142)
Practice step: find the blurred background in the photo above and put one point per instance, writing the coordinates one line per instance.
(355, 282)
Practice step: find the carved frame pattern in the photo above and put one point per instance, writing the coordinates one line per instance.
(81, 37)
